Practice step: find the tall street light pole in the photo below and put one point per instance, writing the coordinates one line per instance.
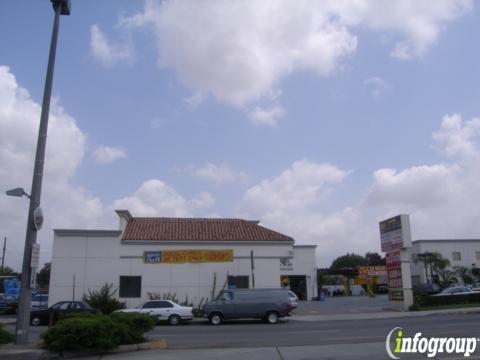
(35, 218)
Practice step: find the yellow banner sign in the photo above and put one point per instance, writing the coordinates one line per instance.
(372, 270)
(196, 256)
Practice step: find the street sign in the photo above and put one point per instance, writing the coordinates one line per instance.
(35, 260)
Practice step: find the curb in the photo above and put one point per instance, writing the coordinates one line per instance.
(383, 315)
(41, 354)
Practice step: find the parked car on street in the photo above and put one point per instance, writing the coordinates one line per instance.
(455, 290)
(8, 304)
(39, 301)
(293, 299)
(426, 289)
(166, 310)
(266, 304)
(56, 311)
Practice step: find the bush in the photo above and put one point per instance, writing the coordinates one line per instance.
(432, 301)
(137, 324)
(103, 299)
(5, 335)
(97, 332)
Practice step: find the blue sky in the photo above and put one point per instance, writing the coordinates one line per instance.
(319, 118)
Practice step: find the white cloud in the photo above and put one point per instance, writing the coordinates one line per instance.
(417, 23)
(195, 100)
(288, 202)
(417, 187)
(155, 198)
(63, 203)
(219, 174)
(295, 189)
(269, 116)
(442, 199)
(108, 154)
(378, 87)
(107, 52)
(457, 137)
(239, 51)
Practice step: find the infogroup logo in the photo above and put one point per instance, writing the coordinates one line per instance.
(397, 343)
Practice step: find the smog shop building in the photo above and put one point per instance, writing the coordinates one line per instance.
(186, 257)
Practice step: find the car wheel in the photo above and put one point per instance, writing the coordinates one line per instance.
(215, 319)
(35, 321)
(174, 320)
(272, 317)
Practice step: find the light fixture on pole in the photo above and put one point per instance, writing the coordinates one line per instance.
(35, 217)
(17, 192)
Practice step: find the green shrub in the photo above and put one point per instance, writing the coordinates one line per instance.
(137, 324)
(442, 300)
(103, 299)
(5, 335)
(97, 331)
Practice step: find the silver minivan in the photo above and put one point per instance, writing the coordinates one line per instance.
(266, 304)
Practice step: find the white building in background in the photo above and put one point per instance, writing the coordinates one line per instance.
(460, 252)
(191, 258)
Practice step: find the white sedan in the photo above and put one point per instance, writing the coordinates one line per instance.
(164, 310)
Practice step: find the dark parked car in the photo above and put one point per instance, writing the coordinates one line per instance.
(55, 312)
(426, 289)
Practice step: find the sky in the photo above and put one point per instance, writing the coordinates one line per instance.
(318, 118)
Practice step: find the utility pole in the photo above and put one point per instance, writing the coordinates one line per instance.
(4, 247)
(35, 217)
(252, 264)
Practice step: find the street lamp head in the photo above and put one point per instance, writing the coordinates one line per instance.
(64, 6)
(17, 192)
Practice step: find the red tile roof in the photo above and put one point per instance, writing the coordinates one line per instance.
(185, 229)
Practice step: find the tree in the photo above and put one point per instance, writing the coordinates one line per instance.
(347, 265)
(348, 261)
(464, 273)
(439, 266)
(374, 259)
(103, 299)
(43, 277)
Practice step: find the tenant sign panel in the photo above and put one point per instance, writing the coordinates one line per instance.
(395, 233)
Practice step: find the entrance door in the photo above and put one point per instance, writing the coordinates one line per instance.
(298, 284)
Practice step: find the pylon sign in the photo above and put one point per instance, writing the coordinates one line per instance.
(396, 241)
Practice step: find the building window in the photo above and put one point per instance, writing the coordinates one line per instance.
(130, 287)
(456, 256)
(238, 282)
(477, 255)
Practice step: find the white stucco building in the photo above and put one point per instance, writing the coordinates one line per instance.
(460, 252)
(187, 257)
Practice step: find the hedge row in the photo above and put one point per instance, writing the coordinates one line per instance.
(97, 332)
(441, 300)
(5, 335)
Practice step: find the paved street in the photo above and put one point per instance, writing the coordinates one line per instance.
(343, 339)
(300, 333)
(339, 328)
